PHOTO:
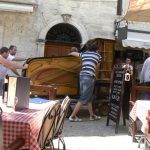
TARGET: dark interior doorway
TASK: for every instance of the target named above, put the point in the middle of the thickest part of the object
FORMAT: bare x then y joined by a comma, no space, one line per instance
60,38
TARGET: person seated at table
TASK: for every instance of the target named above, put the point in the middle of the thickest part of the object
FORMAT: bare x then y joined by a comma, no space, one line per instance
5,64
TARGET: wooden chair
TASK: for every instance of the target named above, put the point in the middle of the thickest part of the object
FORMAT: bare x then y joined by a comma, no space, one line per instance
60,121
49,90
15,145
46,134
132,124
147,134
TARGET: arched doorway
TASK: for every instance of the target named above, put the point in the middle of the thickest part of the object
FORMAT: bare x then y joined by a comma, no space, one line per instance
60,38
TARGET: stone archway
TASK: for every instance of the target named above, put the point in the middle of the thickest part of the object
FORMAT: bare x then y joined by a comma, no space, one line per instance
64,32
60,38
44,31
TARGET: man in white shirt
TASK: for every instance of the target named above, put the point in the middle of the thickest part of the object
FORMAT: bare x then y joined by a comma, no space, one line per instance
5,64
145,76
127,66
12,57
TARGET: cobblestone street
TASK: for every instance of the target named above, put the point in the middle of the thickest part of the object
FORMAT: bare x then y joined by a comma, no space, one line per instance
95,135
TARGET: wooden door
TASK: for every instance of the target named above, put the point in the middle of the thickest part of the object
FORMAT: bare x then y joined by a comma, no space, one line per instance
107,59
57,49
106,51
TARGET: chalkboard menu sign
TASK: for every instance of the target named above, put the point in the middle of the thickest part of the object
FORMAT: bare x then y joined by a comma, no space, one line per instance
116,93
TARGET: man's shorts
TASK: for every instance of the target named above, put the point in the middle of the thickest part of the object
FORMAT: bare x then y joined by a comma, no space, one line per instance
1,86
86,88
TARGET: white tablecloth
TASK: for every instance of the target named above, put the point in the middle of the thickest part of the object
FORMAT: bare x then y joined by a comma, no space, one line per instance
140,110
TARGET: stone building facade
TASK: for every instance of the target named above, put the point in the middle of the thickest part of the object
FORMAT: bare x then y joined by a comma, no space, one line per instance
27,23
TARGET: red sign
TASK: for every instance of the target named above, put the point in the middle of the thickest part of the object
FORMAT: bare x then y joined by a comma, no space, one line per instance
139,5
139,10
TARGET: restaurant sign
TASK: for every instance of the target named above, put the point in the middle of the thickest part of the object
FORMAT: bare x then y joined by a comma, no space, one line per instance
116,95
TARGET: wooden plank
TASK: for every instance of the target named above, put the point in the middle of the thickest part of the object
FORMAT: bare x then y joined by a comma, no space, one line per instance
63,72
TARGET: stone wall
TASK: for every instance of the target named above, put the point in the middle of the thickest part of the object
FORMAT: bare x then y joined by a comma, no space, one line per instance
93,19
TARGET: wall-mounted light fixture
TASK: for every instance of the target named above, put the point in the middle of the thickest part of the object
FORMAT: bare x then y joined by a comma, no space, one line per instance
40,41
66,17
121,29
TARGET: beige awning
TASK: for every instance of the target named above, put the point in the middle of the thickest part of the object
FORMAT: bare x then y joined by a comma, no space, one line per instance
139,10
17,5
137,40
29,2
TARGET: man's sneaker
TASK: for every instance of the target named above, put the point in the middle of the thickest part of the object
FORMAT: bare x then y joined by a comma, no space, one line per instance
75,119
94,118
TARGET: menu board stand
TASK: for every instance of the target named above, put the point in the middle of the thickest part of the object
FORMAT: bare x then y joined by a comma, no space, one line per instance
18,92
116,95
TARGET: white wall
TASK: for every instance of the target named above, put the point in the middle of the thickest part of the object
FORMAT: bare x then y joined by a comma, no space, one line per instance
1,35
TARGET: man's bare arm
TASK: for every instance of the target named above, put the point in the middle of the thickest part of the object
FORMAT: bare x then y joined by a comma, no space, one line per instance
11,65
74,54
18,58
15,72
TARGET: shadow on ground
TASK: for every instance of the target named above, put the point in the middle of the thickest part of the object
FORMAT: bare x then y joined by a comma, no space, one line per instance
93,128
95,135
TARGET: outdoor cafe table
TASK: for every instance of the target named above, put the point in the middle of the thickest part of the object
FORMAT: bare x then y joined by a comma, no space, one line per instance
25,124
140,111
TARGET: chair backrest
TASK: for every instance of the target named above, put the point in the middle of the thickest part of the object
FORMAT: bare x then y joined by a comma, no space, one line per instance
48,126
1,130
16,144
62,115
48,91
